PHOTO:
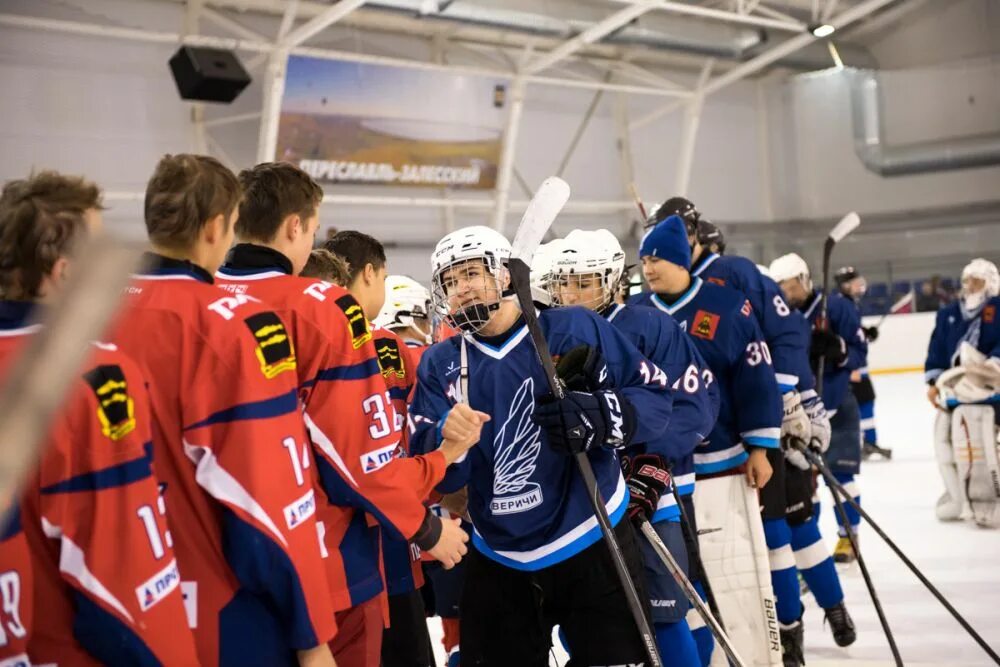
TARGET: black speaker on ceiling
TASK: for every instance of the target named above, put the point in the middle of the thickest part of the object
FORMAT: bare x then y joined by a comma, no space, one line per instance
208,75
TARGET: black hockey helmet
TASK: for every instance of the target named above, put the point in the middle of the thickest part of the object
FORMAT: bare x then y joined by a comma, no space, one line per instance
679,206
845,274
709,235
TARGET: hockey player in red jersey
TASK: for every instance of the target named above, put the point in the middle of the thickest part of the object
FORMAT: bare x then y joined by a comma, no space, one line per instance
228,430
105,586
406,642
353,421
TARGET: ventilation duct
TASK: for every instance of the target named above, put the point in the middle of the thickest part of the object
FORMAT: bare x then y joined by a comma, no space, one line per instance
922,157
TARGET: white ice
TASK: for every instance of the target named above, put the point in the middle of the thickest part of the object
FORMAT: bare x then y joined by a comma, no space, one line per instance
960,559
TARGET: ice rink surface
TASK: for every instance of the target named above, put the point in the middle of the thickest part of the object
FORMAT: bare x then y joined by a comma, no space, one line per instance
960,559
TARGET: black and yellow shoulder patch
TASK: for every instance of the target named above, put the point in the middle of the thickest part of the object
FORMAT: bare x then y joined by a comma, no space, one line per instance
274,351
357,323
390,361
115,407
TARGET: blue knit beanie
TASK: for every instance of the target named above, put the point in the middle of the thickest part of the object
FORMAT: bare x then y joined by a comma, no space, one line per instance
668,240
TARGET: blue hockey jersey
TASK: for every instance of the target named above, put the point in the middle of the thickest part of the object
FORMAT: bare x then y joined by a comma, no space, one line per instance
844,321
720,322
527,501
769,307
952,328
696,394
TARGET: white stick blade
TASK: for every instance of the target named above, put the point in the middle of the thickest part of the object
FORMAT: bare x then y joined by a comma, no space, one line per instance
846,225
542,210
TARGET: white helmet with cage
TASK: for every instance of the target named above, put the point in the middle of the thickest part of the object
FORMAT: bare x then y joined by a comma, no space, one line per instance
587,253
791,266
405,300
469,277
981,269
541,271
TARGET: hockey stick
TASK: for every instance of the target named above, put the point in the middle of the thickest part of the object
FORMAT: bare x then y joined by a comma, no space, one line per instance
816,460
846,225
689,591
542,210
692,536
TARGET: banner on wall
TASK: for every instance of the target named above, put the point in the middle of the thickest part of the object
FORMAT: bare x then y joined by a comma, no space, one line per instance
345,122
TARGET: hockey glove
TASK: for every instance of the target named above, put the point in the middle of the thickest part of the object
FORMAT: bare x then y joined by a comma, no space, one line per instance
820,423
583,421
829,345
795,427
871,333
647,477
582,369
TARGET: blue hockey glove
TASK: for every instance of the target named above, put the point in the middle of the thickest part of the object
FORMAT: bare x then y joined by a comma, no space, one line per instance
583,421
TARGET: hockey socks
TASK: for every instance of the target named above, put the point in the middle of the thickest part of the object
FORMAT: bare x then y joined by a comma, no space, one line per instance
784,578
847,481
703,639
677,644
813,560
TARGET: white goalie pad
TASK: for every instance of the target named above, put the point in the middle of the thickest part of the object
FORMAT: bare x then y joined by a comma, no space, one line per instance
949,505
974,446
734,553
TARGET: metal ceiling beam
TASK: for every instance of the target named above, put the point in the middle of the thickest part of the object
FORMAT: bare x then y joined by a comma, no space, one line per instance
847,17
226,23
320,22
141,35
725,16
592,34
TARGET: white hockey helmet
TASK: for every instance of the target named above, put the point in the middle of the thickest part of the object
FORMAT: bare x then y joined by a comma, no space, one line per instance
470,249
984,270
541,271
788,267
764,270
588,253
405,299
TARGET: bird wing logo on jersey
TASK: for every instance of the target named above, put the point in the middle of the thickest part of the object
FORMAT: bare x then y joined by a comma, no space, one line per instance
516,448
115,407
704,325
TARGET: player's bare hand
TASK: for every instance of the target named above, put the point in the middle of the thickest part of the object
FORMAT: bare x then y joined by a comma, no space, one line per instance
461,430
932,395
318,656
450,546
758,468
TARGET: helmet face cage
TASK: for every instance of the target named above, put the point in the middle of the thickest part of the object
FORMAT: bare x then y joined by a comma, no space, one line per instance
467,292
580,282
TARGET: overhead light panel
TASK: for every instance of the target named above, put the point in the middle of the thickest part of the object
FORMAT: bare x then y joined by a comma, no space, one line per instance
824,30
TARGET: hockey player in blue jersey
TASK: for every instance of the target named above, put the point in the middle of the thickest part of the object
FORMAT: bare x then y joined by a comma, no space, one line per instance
537,558
965,348
721,323
586,270
842,344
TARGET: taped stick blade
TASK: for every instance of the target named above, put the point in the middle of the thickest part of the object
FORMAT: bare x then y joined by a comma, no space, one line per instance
542,210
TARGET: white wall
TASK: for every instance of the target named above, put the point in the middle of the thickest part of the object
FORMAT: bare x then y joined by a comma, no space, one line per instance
902,341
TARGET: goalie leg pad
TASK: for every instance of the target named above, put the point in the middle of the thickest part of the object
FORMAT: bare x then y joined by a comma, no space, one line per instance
974,443
949,505
735,556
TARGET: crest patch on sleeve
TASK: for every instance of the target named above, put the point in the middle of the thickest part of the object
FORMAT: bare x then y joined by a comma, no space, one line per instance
115,407
357,323
389,359
274,348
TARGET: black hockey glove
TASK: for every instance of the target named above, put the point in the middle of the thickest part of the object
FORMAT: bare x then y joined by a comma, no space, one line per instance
827,344
583,369
583,421
871,333
647,477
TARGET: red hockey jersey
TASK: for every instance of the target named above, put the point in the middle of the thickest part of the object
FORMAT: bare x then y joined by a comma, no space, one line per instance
16,588
106,585
232,453
352,419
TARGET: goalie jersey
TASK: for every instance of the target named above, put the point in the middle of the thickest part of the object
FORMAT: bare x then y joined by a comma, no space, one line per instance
106,585
953,326
696,394
720,322
527,501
